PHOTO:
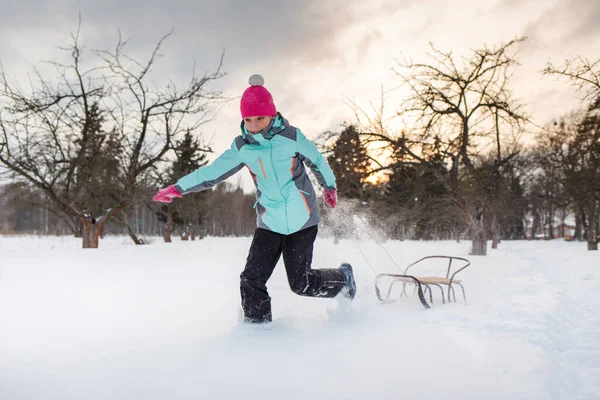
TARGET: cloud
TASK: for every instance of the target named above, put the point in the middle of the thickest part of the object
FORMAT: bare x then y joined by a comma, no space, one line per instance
566,23
367,41
262,29
282,39
586,21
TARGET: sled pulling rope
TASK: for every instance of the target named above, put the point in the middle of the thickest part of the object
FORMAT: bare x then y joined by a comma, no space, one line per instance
422,284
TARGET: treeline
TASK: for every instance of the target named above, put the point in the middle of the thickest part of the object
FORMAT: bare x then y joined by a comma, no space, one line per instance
545,191
86,149
224,211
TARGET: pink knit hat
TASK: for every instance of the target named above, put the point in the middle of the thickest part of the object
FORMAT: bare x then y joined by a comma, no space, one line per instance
256,100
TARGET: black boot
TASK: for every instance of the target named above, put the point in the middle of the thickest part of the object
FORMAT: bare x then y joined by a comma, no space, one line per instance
348,291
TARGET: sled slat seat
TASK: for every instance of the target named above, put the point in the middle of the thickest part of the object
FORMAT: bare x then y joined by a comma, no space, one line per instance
430,280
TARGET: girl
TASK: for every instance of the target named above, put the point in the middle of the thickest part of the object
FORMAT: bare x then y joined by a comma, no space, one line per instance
275,154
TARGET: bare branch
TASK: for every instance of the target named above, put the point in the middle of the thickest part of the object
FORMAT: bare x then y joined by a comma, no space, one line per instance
583,74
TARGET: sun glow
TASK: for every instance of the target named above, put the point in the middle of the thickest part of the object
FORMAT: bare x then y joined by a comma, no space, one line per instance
375,179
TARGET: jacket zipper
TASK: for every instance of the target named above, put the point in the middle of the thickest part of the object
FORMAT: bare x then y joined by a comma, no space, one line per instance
278,187
262,167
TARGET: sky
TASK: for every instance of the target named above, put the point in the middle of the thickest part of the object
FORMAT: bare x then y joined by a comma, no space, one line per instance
315,56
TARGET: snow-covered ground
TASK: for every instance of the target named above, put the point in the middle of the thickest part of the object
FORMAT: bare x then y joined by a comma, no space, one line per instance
162,321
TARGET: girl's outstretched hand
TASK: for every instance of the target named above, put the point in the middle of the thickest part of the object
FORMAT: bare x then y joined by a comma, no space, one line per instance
167,194
330,197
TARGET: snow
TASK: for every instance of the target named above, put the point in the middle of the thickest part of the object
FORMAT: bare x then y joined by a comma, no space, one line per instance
162,321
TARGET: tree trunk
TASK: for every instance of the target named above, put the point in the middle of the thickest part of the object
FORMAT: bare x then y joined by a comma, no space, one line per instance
91,234
551,221
185,233
495,240
79,230
133,236
479,245
561,228
169,225
479,241
592,232
495,232
578,227
534,225
592,244
93,226
124,219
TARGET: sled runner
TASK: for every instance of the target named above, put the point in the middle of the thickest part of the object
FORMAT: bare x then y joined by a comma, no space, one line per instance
423,284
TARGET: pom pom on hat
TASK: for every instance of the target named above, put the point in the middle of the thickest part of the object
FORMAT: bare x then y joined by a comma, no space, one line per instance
256,100
256,80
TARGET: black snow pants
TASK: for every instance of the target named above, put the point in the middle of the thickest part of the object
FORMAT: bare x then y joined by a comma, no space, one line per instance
297,249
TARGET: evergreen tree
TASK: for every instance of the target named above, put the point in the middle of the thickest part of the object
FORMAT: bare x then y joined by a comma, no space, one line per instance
190,212
99,173
190,156
514,205
582,172
417,192
349,162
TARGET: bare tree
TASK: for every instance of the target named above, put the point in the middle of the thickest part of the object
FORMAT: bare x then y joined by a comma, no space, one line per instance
583,74
582,162
466,109
56,135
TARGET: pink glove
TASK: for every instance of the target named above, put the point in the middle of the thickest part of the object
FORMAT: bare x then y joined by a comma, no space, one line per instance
330,197
166,195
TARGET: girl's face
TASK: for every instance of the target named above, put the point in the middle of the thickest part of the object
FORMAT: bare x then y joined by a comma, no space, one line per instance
257,124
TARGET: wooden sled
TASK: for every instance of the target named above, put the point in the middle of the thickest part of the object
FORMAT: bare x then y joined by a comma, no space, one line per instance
423,284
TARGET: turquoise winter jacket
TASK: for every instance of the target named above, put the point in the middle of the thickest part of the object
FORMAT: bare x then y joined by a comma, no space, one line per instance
285,199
